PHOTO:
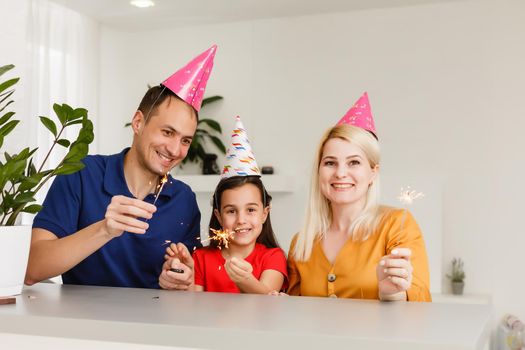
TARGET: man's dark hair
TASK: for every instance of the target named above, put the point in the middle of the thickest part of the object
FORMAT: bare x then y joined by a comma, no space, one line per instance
154,97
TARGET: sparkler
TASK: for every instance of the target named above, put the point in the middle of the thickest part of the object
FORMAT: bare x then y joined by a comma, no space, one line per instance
407,197
221,236
160,186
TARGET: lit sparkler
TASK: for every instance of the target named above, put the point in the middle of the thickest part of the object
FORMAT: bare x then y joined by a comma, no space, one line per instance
407,197
221,236
160,186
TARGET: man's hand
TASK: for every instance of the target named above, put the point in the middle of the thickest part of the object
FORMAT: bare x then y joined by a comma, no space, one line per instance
178,258
123,214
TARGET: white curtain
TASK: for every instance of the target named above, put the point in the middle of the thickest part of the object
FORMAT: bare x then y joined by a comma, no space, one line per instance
63,47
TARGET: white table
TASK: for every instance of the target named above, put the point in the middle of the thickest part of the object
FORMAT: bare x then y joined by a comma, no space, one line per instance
229,321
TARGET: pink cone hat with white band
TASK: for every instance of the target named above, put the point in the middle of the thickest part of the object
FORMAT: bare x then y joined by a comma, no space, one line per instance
189,82
360,115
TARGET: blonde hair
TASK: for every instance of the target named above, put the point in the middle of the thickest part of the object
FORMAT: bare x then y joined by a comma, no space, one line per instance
318,216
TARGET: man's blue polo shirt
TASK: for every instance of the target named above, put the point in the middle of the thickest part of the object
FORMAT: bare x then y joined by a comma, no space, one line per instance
131,260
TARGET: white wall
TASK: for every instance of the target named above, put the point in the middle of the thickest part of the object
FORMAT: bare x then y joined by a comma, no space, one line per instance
13,50
446,87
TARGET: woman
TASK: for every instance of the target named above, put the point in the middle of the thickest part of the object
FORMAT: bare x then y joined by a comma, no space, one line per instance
350,246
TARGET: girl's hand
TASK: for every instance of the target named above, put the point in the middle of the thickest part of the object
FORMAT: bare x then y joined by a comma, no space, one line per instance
171,251
180,252
394,274
238,269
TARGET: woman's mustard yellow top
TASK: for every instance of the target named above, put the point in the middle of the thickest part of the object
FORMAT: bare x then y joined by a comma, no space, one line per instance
353,274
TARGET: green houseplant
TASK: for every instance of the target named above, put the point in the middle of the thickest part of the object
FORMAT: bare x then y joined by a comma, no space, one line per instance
205,131
457,276
21,178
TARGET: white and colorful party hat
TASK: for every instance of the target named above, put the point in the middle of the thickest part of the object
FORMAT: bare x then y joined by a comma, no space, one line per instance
240,160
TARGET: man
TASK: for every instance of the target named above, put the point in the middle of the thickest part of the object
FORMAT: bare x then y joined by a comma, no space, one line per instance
109,223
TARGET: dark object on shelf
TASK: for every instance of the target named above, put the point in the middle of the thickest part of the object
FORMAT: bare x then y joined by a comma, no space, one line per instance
209,164
267,170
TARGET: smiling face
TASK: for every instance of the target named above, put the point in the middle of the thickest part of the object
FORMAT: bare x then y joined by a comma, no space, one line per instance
163,141
242,212
345,173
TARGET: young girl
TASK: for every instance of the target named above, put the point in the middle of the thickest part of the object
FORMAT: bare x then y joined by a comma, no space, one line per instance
249,260
253,261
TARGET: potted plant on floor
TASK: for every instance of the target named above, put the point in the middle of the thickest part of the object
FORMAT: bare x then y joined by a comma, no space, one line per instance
457,276
21,179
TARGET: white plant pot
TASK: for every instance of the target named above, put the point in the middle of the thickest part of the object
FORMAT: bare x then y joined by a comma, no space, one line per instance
14,253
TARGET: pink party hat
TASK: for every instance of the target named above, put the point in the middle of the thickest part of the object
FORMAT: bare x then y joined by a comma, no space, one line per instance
190,81
360,115
240,160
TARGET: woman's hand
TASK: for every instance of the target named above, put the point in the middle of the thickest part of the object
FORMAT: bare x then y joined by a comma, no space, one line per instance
238,270
278,294
394,274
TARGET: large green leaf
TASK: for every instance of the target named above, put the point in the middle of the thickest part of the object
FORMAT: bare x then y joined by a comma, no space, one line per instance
7,203
86,134
77,152
210,99
7,84
64,142
5,118
6,68
24,198
61,114
68,111
49,124
69,168
218,143
30,182
24,154
212,124
13,169
79,113
32,209
7,128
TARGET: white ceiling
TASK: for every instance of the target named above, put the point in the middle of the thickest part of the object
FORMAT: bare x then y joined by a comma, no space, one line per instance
178,13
